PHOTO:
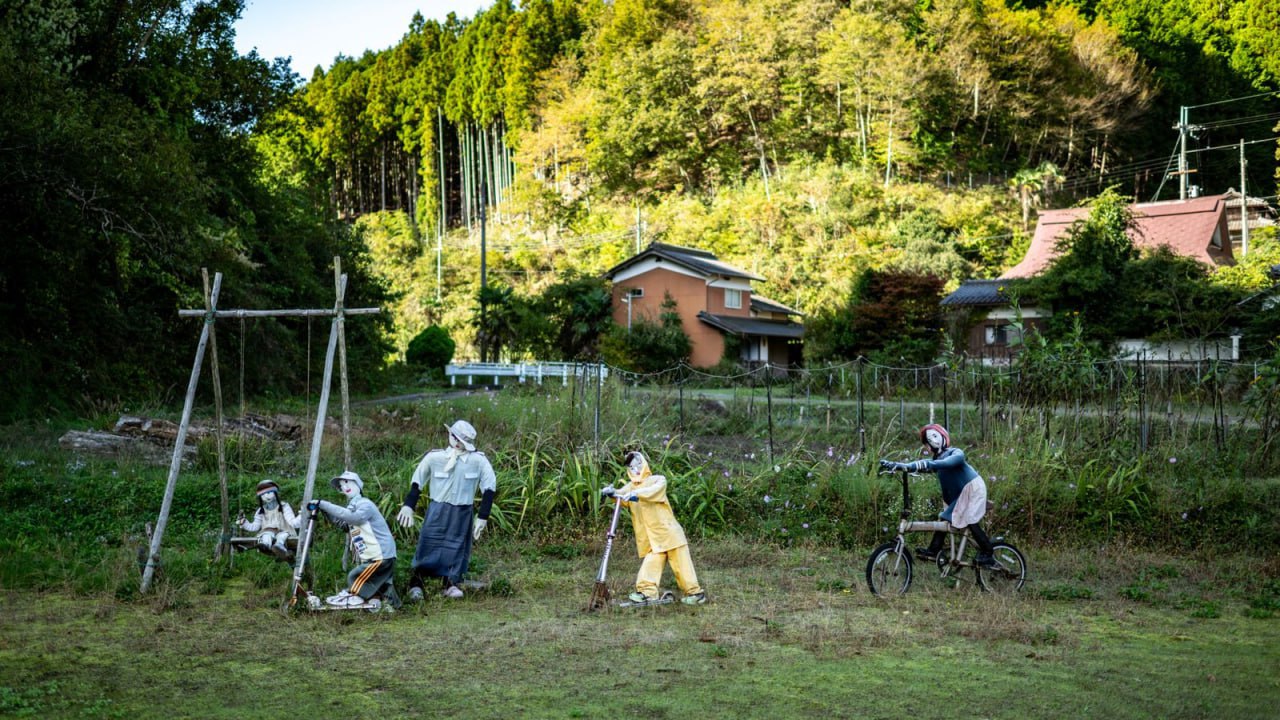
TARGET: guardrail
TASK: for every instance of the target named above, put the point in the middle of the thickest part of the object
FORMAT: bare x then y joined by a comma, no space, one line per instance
523,372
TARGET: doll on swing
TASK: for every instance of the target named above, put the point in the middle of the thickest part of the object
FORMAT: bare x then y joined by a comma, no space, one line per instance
274,522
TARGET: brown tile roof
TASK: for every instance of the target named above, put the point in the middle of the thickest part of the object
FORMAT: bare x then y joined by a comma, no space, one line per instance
1186,226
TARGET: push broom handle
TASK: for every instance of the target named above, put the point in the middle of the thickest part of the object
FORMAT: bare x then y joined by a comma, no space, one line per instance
302,552
608,542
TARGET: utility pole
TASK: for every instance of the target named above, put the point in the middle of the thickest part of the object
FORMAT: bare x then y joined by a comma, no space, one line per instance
637,228
1184,128
484,340
1244,205
1182,153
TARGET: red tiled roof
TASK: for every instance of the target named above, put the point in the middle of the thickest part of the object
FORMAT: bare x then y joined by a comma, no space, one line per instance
1186,226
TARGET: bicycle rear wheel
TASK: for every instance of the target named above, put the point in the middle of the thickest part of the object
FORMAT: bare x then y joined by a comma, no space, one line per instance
889,570
1008,578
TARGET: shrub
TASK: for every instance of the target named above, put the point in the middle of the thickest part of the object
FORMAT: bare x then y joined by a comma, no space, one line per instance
430,349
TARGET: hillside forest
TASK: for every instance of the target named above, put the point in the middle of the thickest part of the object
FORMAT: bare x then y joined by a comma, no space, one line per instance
840,150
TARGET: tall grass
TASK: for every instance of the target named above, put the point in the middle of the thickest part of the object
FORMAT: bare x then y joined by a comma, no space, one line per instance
805,478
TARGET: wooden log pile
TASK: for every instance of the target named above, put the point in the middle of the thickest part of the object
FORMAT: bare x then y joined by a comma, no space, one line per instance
152,439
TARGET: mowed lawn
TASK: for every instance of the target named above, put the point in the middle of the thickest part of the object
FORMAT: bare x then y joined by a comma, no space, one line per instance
792,633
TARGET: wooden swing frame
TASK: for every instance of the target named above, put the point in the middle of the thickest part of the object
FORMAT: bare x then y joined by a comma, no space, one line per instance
208,338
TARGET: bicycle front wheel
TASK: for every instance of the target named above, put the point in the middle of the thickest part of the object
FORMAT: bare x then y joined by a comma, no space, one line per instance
1011,573
889,570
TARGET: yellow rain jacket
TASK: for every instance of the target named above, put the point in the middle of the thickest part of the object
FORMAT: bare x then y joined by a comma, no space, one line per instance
653,521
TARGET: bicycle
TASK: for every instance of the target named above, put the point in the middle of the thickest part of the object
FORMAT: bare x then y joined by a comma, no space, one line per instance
889,569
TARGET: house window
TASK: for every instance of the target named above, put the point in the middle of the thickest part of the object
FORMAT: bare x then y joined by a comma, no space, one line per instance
732,298
997,335
635,292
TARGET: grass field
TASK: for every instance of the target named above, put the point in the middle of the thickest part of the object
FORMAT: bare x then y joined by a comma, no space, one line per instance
1098,632
1154,586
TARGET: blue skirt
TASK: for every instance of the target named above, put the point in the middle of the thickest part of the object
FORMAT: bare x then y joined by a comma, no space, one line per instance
444,545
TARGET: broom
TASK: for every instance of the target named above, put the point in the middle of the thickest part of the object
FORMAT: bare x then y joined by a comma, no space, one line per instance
600,595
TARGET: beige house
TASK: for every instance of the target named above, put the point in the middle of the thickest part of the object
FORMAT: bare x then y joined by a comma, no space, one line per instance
715,301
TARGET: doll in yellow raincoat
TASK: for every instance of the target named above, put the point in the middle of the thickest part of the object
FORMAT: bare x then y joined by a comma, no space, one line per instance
659,538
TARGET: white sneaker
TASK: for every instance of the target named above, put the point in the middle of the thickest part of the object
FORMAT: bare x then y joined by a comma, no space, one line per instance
350,601
415,594
453,591
339,598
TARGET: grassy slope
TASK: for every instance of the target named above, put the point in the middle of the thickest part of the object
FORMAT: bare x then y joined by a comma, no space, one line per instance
791,633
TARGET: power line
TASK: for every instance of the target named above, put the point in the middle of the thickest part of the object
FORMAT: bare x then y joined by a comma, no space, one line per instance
1234,145
1232,122
1231,100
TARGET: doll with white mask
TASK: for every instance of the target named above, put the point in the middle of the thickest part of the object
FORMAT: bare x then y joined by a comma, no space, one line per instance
451,522
659,537
371,542
963,491
274,521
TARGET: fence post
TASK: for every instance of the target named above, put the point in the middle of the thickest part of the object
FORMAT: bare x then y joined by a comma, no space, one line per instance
599,392
946,411
862,429
768,393
680,388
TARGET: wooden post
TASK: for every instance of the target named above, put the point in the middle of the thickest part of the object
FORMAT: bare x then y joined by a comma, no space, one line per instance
157,536
768,393
318,433
340,319
224,540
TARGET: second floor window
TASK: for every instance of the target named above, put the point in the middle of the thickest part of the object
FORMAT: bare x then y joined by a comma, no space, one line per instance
733,298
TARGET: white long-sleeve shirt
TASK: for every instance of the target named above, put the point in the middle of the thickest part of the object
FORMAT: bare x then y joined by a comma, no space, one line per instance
457,485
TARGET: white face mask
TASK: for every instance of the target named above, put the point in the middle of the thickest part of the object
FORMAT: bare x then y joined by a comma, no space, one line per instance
455,443
636,466
934,439
270,500
348,488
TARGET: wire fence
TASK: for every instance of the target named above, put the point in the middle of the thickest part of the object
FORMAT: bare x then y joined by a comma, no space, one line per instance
1131,407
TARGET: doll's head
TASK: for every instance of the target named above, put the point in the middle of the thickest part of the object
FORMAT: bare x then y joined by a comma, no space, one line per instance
462,436
349,484
268,495
637,466
935,438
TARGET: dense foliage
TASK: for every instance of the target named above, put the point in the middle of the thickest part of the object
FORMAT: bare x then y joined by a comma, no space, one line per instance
891,317
125,166
430,349
809,141
647,346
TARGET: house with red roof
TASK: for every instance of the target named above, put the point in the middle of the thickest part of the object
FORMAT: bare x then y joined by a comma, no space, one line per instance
1195,228
715,302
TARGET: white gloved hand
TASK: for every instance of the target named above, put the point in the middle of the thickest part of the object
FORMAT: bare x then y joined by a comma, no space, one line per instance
478,527
405,516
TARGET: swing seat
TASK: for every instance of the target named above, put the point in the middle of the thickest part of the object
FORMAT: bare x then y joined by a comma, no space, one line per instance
251,543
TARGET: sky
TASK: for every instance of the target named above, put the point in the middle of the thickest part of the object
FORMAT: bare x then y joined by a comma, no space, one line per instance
313,32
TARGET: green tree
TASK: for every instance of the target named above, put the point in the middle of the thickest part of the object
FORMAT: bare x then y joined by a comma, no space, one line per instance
430,349
890,317
1087,276
647,346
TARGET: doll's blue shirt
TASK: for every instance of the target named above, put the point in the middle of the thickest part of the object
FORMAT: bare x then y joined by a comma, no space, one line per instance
953,473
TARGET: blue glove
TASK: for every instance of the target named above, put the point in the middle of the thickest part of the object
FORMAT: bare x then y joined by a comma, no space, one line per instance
632,497
889,465
313,505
